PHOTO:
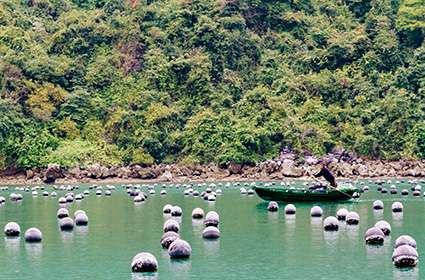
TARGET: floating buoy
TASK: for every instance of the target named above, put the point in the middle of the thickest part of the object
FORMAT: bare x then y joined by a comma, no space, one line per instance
290,209
384,190
62,213
66,224
33,235
197,213
62,200
397,207
341,214
330,224
138,198
316,211
378,205
405,256
81,219
144,262
212,219
69,198
405,240
242,190
168,238
108,193
211,233
167,209
98,192
171,225
12,229
250,192
273,206
352,218
384,226
211,197
163,192
176,211
416,193
374,236
179,249
404,192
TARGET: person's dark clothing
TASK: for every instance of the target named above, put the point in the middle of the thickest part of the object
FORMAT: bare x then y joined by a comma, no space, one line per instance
327,175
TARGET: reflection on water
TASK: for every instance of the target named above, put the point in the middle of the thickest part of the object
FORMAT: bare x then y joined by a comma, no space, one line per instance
352,232
331,238
82,230
67,237
273,217
406,273
181,268
378,214
397,219
144,276
34,250
12,244
212,247
197,225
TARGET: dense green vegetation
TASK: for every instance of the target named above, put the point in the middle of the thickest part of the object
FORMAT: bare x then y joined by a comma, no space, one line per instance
120,81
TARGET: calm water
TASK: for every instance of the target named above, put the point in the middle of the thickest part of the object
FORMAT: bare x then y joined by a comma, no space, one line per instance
254,243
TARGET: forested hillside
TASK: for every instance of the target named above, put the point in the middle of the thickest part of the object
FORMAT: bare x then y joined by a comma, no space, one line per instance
199,81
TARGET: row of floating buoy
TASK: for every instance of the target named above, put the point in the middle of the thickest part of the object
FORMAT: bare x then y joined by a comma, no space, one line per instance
31,235
176,247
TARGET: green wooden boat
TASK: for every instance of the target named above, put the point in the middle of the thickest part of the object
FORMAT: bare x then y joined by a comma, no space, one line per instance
344,192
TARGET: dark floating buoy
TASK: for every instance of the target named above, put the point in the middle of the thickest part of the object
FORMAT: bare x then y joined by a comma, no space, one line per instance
197,213
290,209
167,209
179,249
144,262
374,236
378,205
397,207
330,224
12,229
352,218
66,224
212,219
341,214
384,226
62,213
176,211
81,219
168,238
316,211
171,225
405,256
211,233
33,235
273,206
405,240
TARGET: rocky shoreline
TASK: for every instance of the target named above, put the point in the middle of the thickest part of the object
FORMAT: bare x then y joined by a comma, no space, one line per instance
288,167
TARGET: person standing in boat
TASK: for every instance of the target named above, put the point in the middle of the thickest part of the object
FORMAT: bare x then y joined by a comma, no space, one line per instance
326,173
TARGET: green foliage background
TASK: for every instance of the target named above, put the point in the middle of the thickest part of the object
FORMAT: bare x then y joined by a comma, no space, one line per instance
198,81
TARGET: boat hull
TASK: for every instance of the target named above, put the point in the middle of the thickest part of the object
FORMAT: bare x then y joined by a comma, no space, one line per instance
294,195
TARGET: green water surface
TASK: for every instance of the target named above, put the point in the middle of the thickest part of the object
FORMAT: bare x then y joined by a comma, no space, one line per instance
254,243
